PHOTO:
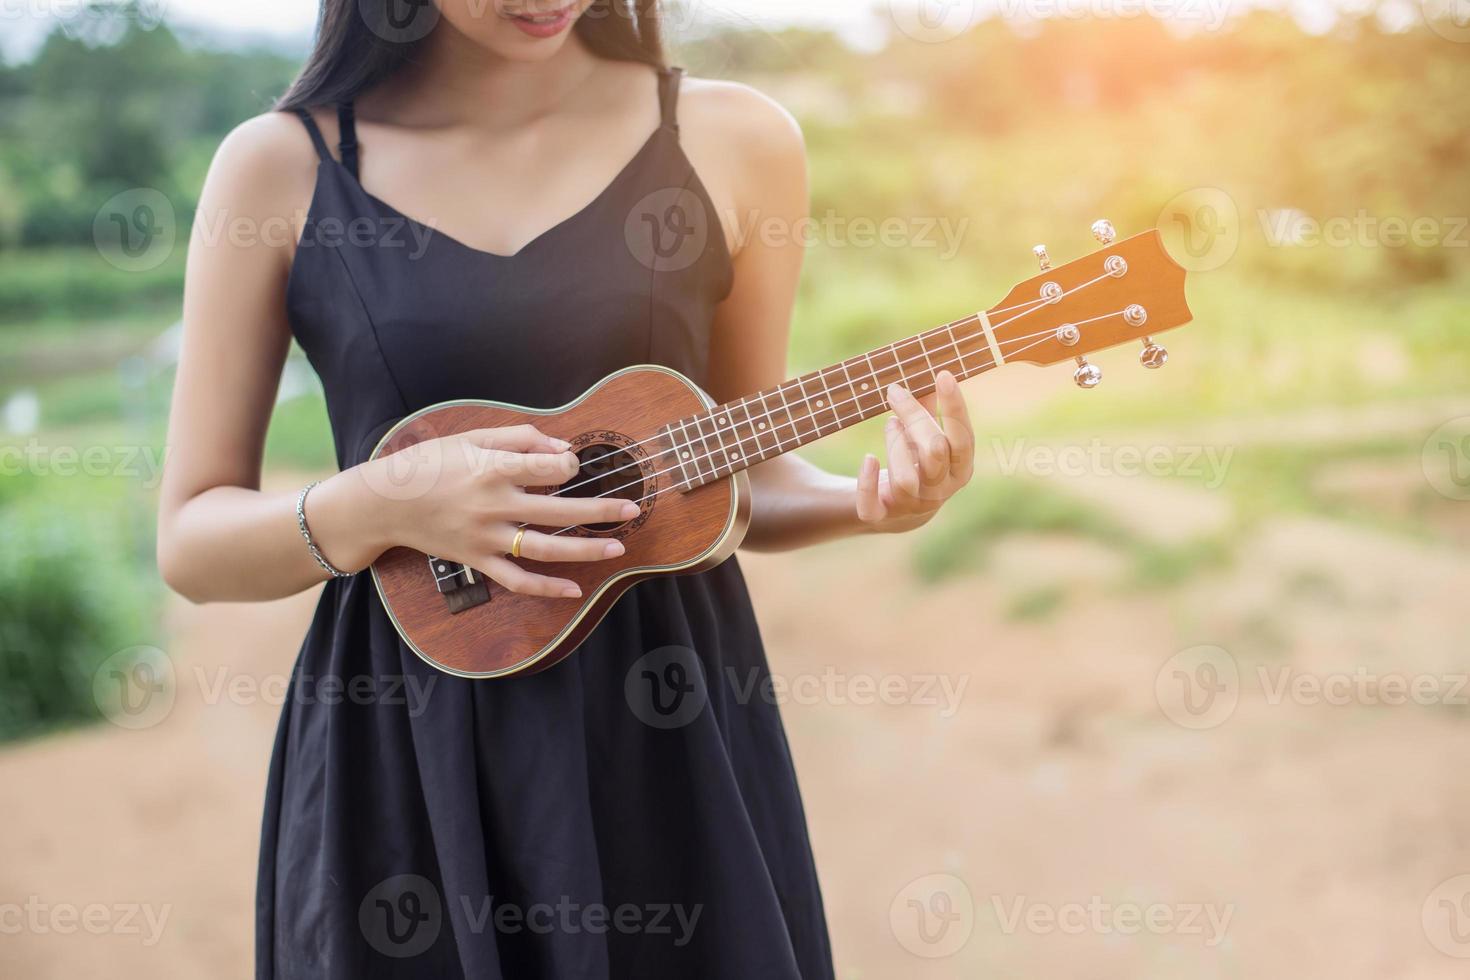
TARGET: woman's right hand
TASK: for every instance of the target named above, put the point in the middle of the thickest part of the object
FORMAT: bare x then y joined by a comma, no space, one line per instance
464,497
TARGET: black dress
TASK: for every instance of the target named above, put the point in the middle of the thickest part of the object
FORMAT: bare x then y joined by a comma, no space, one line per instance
630,813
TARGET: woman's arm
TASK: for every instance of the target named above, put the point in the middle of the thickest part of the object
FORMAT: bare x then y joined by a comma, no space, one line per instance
752,158
220,537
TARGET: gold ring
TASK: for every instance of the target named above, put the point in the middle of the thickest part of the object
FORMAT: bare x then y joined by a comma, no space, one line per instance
515,544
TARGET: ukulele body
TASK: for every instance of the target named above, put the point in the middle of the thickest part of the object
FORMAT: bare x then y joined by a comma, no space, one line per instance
616,429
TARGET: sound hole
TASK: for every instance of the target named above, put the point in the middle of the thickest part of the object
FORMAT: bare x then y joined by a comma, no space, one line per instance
607,471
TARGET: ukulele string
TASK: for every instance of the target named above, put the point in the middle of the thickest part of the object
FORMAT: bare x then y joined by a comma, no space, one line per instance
658,493
694,461
1034,304
821,375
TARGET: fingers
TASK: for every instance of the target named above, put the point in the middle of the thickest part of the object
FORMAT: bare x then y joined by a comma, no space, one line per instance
870,507
532,469
517,439
903,467
559,512
517,579
932,448
538,546
957,427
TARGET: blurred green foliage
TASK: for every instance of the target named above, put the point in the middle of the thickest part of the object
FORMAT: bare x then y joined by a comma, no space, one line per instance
70,595
109,105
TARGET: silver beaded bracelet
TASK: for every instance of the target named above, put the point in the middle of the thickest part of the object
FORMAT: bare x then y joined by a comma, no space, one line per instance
306,534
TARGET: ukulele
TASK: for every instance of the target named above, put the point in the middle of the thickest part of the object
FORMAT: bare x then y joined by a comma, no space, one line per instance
649,434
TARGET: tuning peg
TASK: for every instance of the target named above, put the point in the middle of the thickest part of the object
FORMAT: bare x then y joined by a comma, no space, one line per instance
1042,258
1153,355
1087,375
1103,231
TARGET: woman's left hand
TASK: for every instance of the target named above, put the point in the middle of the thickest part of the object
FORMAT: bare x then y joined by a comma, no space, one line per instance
927,462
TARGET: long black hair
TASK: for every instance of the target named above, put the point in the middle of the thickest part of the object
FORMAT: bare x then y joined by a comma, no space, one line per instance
361,42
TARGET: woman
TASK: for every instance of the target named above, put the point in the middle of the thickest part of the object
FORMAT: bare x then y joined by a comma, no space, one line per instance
420,825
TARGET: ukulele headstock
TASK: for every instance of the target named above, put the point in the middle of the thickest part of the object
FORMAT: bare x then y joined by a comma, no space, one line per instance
1127,290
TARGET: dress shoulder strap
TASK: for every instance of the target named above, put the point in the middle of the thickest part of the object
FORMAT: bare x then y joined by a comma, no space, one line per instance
316,134
668,96
347,126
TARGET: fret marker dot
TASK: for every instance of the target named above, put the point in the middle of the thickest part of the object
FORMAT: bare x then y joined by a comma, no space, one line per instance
441,568
820,403
734,455
865,386
686,454
724,421
762,425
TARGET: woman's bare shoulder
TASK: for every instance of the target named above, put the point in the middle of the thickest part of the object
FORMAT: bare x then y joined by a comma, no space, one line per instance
746,121
747,149
266,167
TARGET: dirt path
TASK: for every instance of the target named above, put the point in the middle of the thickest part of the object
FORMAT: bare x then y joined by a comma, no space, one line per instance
1022,820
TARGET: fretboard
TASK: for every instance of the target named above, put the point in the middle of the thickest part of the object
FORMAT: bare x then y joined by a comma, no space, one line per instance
739,434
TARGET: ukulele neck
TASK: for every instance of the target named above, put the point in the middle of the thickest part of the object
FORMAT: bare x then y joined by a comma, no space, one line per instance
739,434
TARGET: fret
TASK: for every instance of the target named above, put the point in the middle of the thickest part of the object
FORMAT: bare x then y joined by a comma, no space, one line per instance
720,420
892,350
873,381
932,381
808,400
868,400
961,371
764,428
914,363
930,364
731,437
750,442
700,453
790,415
681,454
850,397
738,450
831,405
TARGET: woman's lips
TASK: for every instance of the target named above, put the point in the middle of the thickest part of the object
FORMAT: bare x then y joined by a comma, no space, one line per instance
545,25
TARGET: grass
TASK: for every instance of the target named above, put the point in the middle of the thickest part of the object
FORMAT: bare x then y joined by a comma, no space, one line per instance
61,286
